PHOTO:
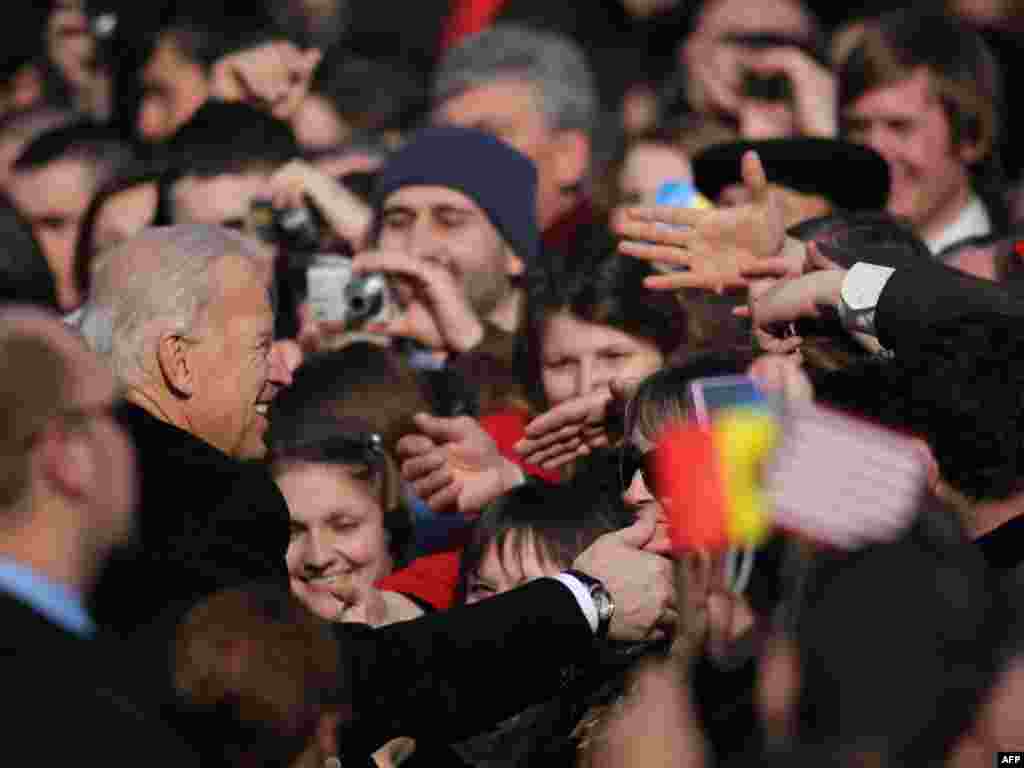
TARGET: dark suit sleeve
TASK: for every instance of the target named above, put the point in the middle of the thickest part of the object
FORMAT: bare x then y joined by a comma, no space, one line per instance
919,299
451,675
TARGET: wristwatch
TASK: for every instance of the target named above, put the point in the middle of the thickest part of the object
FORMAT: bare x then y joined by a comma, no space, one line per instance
602,600
859,294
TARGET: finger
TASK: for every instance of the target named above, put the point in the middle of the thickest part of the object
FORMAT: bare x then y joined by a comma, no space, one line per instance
577,411
381,261
558,462
427,486
817,260
446,499
771,267
666,224
557,450
642,531
421,466
754,177
563,435
665,254
680,280
414,445
569,415
445,430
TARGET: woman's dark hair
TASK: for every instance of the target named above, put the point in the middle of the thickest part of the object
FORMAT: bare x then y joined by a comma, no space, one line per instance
326,417
598,285
255,672
661,397
25,275
85,253
560,520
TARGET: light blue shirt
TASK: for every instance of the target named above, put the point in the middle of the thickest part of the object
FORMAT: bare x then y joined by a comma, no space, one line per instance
58,603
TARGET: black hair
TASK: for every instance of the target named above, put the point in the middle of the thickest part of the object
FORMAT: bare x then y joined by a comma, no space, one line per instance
205,31
373,96
85,140
25,275
892,241
229,138
84,251
560,520
597,285
22,38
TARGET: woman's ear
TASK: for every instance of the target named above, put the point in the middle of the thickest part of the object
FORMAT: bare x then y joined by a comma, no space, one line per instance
173,356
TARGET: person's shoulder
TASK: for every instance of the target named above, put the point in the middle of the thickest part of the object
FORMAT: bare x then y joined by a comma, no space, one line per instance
1003,547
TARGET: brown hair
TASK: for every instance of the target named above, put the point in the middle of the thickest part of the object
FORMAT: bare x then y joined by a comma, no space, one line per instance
963,71
261,668
32,393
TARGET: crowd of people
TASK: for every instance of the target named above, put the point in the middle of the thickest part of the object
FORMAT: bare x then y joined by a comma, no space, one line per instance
353,356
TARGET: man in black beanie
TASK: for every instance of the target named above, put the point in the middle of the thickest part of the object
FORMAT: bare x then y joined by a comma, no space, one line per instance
455,227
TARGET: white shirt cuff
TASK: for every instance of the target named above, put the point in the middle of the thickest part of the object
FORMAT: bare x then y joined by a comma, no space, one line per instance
583,597
862,287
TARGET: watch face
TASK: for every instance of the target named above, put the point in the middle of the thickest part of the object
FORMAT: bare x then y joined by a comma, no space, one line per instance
602,603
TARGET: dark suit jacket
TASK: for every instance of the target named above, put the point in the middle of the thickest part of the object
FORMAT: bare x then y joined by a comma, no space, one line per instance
449,676
69,702
204,522
950,314
207,522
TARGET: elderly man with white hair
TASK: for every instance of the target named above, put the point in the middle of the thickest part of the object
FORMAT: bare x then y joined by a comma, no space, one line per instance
184,316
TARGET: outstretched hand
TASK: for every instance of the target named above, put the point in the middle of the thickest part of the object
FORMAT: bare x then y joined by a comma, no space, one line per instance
715,246
453,464
577,426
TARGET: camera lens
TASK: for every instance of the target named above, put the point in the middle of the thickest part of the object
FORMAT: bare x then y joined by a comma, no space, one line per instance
365,298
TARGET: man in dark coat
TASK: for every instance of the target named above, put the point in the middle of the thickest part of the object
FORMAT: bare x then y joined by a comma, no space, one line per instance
183,315
66,498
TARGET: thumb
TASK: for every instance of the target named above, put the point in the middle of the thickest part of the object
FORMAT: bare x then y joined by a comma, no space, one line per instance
348,591
818,260
625,389
642,531
754,177
440,429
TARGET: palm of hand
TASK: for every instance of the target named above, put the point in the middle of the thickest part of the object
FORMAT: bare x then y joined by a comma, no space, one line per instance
754,230
475,465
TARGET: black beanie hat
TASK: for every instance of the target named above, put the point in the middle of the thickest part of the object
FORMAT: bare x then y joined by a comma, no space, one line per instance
499,179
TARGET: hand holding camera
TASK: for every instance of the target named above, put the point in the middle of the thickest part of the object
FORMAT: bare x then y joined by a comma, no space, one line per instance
434,308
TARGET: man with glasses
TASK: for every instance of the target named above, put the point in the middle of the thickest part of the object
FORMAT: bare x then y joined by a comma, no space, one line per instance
67,491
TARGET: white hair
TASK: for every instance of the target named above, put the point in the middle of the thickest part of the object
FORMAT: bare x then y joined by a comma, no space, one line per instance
160,281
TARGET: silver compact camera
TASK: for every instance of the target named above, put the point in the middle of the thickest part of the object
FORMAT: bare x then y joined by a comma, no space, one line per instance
338,295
